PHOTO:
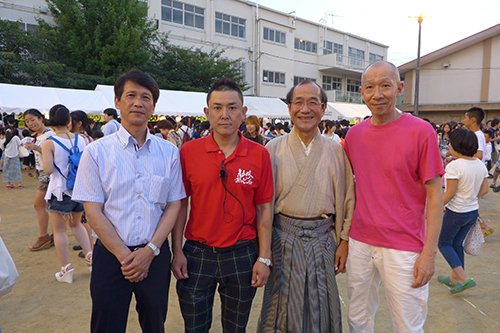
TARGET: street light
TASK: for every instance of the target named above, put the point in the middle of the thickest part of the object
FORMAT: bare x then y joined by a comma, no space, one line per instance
420,19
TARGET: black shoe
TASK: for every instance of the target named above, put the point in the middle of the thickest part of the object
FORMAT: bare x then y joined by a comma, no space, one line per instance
496,189
490,175
81,255
77,247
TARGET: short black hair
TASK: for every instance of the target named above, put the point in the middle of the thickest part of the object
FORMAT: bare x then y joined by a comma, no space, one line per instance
476,113
322,93
139,77
485,131
464,141
33,112
59,115
224,84
26,132
111,112
495,122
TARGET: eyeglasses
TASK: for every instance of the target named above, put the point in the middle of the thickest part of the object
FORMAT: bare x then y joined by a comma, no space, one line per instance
311,105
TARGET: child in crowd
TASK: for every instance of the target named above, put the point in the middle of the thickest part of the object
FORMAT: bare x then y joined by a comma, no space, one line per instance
29,161
488,135
465,182
10,143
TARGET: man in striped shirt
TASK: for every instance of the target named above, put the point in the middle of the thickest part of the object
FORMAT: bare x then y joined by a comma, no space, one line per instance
131,185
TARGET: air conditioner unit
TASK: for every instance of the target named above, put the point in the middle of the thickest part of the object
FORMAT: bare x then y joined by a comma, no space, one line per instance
446,64
44,9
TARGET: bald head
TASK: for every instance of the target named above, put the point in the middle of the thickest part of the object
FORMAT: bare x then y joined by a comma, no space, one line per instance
389,67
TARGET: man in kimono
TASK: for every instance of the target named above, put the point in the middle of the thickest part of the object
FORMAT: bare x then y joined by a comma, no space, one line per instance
399,207
313,205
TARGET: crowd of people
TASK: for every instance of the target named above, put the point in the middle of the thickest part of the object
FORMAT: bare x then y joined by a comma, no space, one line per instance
269,205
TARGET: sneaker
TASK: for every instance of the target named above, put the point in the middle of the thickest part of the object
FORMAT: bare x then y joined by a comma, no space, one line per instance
30,174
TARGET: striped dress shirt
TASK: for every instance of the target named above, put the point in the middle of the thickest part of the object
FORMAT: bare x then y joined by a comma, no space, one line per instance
134,183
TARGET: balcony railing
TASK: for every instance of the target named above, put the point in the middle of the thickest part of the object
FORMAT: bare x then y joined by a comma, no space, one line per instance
344,96
340,60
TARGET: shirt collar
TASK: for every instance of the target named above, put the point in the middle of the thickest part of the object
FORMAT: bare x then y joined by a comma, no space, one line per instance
241,149
126,139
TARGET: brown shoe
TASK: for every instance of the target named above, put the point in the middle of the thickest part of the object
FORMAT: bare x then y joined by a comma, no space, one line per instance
51,239
42,243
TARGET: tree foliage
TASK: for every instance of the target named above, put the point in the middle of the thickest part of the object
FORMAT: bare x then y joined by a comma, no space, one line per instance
178,68
94,41
99,37
22,62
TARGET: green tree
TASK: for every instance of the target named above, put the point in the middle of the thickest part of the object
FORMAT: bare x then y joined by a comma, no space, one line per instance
191,69
22,62
99,37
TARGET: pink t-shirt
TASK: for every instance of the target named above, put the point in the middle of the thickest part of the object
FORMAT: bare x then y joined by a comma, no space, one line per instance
391,163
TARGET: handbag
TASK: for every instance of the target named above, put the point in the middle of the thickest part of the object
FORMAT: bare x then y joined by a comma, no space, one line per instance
23,152
8,271
474,240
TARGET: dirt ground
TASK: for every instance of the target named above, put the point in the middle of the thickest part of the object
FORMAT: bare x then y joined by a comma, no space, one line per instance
39,303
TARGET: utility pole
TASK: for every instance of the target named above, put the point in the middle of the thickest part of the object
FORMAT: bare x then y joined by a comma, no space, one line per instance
420,19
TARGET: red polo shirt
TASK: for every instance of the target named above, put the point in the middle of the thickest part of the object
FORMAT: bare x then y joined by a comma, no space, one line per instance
249,178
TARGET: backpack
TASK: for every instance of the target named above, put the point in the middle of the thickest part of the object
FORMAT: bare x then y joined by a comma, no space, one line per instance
73,160
185,137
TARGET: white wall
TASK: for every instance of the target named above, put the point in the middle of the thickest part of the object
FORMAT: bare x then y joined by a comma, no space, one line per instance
494,92
459,83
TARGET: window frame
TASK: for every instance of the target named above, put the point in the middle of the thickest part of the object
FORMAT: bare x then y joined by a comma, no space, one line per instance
272,76
233,23
195,13
305,45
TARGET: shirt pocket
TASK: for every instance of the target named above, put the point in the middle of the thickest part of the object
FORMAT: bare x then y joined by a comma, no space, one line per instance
158,188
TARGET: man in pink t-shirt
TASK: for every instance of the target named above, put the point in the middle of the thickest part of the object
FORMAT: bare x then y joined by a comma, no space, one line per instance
396,161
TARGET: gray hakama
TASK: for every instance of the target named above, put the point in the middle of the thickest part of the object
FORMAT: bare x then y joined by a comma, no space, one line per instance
307,248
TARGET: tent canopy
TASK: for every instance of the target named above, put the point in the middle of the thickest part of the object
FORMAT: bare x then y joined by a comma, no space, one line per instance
336,111
188,103
18,98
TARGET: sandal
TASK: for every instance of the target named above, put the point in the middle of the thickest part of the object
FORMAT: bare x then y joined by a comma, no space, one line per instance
42,243
462,286
21,187
66,274
493,185
496,189
88,261
489,232
10,187
446,281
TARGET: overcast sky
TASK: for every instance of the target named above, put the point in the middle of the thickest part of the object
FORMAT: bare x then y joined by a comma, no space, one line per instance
387,22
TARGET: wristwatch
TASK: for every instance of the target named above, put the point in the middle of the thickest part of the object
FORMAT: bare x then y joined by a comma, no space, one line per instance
265,261
156,250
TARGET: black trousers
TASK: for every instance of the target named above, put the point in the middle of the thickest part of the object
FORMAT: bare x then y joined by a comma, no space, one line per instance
111,293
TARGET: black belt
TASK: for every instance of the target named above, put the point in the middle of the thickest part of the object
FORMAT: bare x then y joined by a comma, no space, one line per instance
131,248
220,249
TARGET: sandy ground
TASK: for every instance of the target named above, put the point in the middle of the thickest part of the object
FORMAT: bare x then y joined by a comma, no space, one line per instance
39,303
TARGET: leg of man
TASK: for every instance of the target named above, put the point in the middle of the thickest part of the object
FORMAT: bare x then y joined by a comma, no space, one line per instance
235,288
363,281
110,291
152,293
408,306
196,294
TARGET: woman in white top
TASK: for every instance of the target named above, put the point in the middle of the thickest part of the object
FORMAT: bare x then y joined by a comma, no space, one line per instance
62,210
10,143
329,132
34,120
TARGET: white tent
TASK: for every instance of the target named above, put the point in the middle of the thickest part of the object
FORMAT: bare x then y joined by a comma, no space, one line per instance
188,103
336,111
19,98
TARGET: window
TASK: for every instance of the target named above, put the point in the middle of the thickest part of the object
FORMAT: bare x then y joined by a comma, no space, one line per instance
330,47
305,45
230,25
298,79
242,67
356,57
274,36
181,13
27,26
332,83
375,57
353,85
273,77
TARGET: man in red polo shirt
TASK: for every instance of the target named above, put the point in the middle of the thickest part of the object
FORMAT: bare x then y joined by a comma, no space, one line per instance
230,181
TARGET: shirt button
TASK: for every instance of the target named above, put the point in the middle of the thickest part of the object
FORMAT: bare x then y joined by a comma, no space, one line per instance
138,197
137,156
220,152
138,176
